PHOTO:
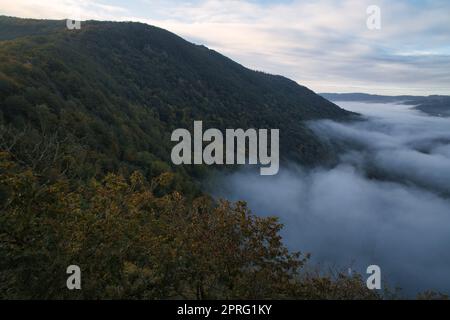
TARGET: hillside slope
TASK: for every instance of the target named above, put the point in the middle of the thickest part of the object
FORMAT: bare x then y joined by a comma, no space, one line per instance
81,110
115,91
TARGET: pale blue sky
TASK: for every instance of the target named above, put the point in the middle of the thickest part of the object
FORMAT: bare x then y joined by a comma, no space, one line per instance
323,44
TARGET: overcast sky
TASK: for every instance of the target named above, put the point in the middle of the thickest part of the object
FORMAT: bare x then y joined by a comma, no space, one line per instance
323,44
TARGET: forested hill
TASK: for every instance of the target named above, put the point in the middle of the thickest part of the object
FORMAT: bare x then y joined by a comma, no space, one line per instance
112,92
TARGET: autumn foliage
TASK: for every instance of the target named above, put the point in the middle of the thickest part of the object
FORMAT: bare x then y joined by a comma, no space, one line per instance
132,243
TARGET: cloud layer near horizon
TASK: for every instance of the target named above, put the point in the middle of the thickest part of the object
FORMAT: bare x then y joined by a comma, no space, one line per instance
322,44
387,202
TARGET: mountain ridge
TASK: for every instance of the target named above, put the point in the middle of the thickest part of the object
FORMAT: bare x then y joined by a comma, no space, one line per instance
116,90
434,105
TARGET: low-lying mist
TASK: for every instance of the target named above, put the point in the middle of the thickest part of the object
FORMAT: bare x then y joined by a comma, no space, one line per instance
387,201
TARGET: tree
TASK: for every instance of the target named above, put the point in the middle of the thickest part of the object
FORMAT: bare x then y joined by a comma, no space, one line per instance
130,243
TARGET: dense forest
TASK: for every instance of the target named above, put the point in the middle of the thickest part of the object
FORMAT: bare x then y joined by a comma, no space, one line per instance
115,91
86,177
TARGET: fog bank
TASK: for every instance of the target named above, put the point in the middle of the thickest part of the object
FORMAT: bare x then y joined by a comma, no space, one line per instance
386,202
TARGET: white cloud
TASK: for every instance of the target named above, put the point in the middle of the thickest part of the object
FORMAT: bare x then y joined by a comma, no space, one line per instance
60,9
386,202
323,44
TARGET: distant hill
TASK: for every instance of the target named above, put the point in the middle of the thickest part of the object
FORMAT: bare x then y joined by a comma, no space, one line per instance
365,97
116,90
434,105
